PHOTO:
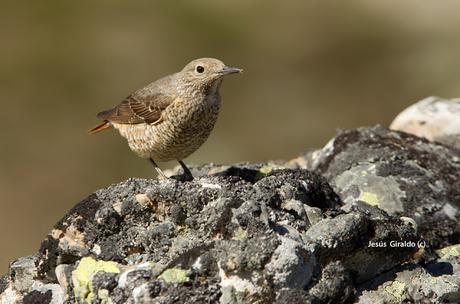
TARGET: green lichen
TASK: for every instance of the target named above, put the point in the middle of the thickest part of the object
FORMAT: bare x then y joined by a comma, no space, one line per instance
103,295
240,234
266,170
175,275
449,251
81,277
370,198
397,289
263,171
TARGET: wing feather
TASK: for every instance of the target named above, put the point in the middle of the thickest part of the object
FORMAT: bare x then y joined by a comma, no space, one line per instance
135,109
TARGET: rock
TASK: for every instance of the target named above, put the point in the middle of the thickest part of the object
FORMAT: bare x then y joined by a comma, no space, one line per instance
437,282
23,272
41,293
175,275
400,173
433,118
335,284
11,296
449,251
21,285
82,276
353,230
207,233
290,265
64,275
36,297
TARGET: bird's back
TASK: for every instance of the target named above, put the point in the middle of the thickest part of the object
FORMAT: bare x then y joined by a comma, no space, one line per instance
166,86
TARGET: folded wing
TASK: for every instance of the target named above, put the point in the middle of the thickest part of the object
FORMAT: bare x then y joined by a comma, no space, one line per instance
135,109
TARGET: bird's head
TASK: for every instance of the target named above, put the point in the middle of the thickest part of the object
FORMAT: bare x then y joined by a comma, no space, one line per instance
207,72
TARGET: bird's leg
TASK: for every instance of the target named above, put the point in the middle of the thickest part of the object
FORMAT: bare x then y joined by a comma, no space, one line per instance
160,173
187,174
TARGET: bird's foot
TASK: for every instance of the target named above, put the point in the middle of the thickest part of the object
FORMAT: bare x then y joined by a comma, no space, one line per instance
182,177
161,175
187,175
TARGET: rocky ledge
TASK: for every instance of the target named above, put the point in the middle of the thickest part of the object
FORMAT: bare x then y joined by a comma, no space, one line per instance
370,218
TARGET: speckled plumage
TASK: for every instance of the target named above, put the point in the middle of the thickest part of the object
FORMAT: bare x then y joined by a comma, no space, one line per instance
185,127
172,117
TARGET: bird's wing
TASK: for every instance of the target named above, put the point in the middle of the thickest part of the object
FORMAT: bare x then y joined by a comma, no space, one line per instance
138,109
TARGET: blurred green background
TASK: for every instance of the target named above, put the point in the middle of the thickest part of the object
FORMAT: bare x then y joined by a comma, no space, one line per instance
310,67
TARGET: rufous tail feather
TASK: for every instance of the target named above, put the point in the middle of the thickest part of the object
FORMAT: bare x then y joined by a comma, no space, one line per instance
100,127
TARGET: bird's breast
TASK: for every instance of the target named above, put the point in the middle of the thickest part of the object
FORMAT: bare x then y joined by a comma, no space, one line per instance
190,114
185,125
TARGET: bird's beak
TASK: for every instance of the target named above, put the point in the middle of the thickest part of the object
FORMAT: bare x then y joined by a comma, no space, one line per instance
228,70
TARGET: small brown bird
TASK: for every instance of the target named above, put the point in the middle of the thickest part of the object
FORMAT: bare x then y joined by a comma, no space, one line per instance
170,118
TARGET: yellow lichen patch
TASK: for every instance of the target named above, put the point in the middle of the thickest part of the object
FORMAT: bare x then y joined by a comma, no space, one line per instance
103,295
181,229
175,275
240,234
81,277
397,289
370,198
449,251
266,169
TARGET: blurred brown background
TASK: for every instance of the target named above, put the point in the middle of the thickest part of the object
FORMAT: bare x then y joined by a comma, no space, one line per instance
310,67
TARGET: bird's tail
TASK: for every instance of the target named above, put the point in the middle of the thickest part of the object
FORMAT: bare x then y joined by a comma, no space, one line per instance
104,125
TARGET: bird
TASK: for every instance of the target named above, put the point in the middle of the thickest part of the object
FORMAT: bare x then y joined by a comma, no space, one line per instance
172,117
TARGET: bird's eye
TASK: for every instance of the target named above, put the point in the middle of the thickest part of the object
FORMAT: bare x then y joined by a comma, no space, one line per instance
199,69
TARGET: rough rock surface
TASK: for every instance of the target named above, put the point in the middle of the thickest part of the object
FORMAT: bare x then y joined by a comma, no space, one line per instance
264,233
402,174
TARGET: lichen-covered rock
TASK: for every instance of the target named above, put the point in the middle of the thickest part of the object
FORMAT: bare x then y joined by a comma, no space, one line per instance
225,232
263,233
437,282
400,173
21,285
